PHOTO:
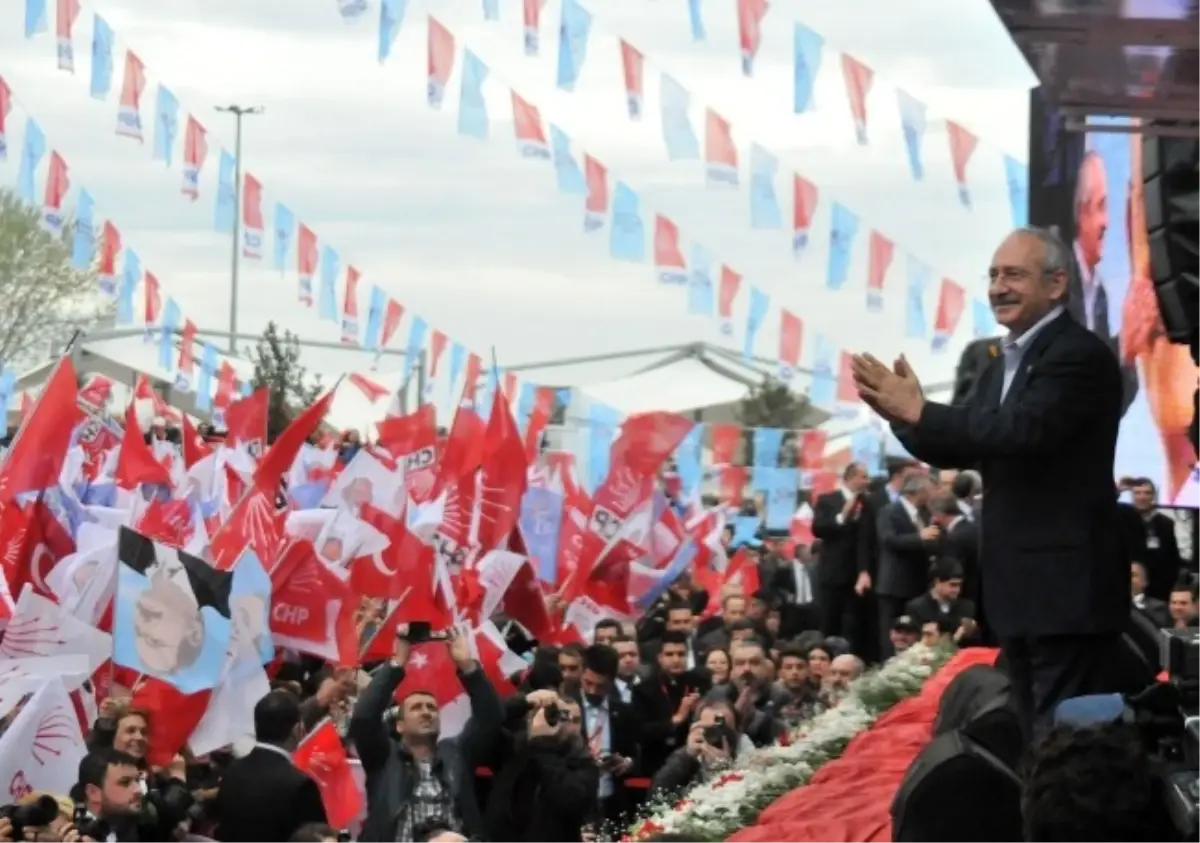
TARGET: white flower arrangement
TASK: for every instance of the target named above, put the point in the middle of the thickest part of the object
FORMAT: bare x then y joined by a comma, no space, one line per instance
716,809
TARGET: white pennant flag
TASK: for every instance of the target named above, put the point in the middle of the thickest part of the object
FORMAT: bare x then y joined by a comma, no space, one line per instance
43,746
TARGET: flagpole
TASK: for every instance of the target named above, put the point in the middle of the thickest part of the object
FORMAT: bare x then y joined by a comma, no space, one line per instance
238,113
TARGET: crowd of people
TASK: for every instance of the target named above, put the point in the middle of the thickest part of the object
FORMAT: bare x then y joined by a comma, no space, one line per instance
644,710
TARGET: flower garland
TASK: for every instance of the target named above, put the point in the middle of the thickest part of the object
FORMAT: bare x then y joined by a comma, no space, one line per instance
716,809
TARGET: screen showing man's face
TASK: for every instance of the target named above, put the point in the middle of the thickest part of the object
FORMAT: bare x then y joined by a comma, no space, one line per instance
1091,212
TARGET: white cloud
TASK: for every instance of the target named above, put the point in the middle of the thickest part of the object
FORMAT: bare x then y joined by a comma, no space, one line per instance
479,241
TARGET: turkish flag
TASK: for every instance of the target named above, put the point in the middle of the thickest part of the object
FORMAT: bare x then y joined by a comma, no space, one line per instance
36,456
323,758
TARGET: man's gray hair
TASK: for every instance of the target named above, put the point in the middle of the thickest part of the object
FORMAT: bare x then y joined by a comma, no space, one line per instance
914,483
1056,257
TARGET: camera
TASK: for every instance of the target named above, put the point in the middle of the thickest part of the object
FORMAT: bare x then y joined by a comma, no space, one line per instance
716,734
40,812
1165,715
89,826
419,632
553,715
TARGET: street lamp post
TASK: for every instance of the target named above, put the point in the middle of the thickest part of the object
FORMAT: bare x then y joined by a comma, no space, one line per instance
238,113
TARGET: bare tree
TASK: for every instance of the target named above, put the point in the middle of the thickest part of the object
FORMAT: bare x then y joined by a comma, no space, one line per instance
43,298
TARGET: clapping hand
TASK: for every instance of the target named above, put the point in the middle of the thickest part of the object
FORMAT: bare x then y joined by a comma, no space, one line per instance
893,393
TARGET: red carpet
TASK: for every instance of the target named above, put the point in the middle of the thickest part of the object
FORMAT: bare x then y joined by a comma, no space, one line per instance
850,799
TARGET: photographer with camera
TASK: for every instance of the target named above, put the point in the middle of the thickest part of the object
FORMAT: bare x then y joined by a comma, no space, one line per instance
39,816
413,775
546,787
714,742
109,804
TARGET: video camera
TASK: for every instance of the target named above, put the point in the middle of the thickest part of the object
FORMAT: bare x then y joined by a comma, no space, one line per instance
1165,713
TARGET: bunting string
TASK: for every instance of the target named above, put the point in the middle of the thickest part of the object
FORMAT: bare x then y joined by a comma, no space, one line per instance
324,280
638,234
811,55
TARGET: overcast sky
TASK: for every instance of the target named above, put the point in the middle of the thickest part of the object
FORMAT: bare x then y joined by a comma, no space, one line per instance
478,240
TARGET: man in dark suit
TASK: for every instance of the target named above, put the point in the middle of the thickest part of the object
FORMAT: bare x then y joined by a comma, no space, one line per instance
610,729
1087,299
837,522
1042,428
943,600
263,796
1153,608
907,545
960,540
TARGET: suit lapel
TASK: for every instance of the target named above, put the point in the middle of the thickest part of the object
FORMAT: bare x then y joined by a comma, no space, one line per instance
1031,356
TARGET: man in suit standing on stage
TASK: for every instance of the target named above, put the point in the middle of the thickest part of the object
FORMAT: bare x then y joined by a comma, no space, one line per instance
1087,301
838,523
1042,427
908,544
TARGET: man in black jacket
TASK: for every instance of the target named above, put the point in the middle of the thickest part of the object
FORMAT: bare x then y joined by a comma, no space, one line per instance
263,796
1042,427
416,776
907,544
1152,540
960,540
837,522
547,788
664,702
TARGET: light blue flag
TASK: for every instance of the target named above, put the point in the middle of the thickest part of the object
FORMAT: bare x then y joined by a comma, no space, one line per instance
541,523
696,19
491,9
627,235
745,530
678,134
1017,175
166,337
688,460
823,392
920,275
866,447
912,122
566,169
8,386
416,342
375,311
768,441
225,212
702,297
603,422
35,17
331,270
525,400
807,47
166,125
458,361
131,277
573,32
985,323
756,313
33,147
782,493
285,235
842,230
563,397
764,204
208,367
83,241
472,107
102,58
391,17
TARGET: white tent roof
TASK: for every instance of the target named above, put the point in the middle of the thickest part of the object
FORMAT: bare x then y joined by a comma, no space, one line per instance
680,386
